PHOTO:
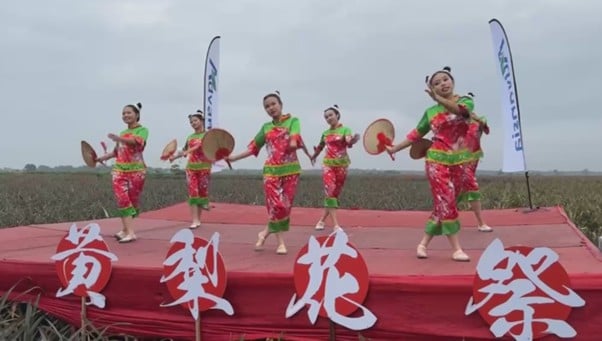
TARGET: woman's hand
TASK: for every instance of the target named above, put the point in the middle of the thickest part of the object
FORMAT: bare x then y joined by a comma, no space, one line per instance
114,137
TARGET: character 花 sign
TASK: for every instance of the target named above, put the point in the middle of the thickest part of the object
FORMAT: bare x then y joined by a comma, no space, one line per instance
195,274
83,264
331,278
523,292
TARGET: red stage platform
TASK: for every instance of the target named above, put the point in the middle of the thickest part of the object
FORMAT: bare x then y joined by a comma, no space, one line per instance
413,299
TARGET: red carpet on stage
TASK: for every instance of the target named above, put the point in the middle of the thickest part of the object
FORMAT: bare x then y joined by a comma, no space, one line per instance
413,299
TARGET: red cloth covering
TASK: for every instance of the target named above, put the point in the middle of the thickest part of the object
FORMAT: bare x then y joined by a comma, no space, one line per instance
407,308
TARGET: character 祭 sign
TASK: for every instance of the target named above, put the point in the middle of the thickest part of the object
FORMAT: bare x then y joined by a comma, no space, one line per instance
331,278
195,274
523,292
83,264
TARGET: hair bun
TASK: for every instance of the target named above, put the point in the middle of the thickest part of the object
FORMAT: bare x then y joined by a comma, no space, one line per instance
277,92
470,94
139,105
447,68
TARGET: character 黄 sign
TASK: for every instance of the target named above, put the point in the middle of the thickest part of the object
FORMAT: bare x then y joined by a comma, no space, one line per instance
83,264
331,279
523,292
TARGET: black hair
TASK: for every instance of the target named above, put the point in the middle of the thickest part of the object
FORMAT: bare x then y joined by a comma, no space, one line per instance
199,114
137,107
336,110
446,70
275,94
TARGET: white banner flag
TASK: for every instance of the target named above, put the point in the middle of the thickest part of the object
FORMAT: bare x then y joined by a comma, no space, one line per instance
514,155
211,98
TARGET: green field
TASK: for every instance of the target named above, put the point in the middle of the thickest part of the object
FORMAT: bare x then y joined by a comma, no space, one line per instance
33,198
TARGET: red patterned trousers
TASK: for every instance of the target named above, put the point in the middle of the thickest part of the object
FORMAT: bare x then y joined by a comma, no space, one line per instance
446,185
127,187
279,197
470,186
198,187
334,180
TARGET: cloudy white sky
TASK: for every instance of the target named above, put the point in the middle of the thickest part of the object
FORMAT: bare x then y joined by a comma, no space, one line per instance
68,67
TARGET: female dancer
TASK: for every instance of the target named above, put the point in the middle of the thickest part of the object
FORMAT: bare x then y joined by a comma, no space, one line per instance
198,169
335,163
448,120
129,171
282,137
470,191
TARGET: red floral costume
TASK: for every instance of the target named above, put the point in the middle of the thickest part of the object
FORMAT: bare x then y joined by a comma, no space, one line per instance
335,163
198,172
129,171
281,169
444,162
472,141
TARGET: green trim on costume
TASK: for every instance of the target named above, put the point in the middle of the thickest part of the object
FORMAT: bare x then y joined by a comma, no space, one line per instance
198,201
279,225
129,166
445,227
448,158
338,162
282,170
469,196
128,212
198,165
331,202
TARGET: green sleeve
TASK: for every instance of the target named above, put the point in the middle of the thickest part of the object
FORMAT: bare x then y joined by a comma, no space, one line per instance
322,140
295,128
467,102
260,138
424,126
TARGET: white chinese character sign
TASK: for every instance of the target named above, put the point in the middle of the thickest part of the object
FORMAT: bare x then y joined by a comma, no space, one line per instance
195,274
523,292
83,264
331,279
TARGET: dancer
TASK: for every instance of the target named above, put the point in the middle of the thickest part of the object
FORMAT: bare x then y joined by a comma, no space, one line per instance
282,137
470,186
198,169
448,120
335,163
129,171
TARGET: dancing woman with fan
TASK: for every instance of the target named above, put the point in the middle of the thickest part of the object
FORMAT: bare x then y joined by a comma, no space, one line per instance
448,119
336,140
282,138
198,169
470,187
129,171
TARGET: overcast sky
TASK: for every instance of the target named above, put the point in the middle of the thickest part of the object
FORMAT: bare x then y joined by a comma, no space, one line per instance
68,67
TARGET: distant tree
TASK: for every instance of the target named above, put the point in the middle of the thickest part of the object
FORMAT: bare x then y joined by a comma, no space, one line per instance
175,169
30,167
44,168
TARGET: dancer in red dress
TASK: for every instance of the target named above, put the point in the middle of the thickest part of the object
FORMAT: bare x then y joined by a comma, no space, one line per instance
282,138
470,186
336,140
129,171
448,120
198,169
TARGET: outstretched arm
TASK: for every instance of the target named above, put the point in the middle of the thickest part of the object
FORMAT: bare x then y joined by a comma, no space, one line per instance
240,156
